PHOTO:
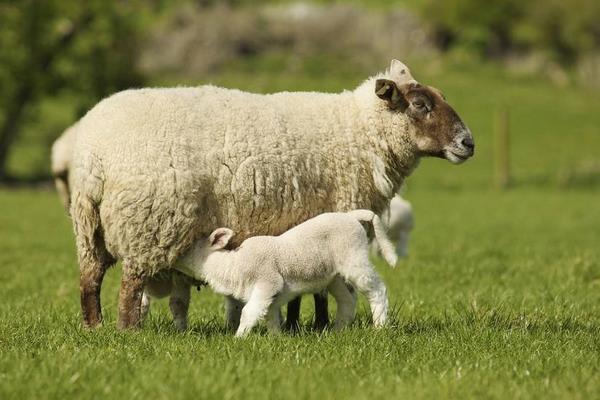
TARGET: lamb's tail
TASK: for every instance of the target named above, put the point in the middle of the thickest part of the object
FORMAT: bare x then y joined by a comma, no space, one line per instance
385,245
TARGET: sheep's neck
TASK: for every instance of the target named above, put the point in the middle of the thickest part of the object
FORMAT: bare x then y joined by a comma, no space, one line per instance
388,135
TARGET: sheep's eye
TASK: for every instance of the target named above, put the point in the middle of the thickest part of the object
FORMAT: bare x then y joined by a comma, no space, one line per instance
420,104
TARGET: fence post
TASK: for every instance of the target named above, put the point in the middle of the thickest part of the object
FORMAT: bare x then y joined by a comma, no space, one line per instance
501,148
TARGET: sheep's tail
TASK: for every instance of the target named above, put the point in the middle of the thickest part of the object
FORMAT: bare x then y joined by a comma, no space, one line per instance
385,245
86,195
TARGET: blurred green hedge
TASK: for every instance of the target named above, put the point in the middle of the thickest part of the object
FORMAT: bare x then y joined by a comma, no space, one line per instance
59,57
563,30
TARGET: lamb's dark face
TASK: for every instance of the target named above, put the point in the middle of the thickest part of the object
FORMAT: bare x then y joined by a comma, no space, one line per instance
439,130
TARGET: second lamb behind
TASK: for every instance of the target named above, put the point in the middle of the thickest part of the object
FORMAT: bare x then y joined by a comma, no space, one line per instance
266,272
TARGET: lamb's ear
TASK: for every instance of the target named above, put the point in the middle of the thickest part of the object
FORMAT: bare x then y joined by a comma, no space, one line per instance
220,238
387,90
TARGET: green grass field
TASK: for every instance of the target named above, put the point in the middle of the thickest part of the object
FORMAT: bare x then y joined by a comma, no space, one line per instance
500,297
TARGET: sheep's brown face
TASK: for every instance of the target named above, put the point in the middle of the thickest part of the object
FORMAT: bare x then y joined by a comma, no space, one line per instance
439,130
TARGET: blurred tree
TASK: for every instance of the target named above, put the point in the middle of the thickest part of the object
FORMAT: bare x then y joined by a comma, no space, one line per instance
564,30
86,49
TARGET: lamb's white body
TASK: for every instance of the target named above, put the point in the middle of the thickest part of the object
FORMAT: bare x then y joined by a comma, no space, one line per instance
266,272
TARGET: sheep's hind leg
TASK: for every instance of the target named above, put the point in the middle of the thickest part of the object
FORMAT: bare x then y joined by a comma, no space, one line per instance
179,302
90,282
345,297
130,298
94,260
257,307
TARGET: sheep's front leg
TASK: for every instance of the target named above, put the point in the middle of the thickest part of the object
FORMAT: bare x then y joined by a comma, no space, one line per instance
179,302
130,298
292,320
233,312
321,311
345,297
257,307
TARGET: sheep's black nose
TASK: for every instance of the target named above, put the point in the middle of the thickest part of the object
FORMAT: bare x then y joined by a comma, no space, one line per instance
468,142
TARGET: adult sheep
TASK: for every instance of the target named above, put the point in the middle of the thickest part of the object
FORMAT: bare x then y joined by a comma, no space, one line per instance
61,154
155,169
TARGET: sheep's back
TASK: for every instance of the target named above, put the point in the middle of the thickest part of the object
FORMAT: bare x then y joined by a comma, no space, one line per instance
177,163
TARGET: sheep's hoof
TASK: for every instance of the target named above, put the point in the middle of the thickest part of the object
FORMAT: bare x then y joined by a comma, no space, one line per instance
291,326
180,326
320,324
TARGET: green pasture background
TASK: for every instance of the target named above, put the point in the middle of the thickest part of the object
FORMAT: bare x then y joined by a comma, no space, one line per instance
499,298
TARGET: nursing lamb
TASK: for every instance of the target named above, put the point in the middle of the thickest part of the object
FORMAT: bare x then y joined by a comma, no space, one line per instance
156,169
266,272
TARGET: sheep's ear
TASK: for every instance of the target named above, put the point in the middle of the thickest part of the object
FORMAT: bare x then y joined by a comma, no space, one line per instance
400,72
220,238
387,90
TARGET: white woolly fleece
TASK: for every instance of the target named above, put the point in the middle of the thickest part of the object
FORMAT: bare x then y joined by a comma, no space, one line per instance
155,169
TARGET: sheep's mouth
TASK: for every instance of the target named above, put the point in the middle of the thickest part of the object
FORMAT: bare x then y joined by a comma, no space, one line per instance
457,157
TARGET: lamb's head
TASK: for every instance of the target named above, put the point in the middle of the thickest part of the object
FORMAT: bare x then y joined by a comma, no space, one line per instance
439,131
218,240
206,251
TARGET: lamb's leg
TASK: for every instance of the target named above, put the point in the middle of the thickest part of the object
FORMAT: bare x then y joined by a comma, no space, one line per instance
345,297
366,280
233,312
292,320
274,318
321,311
257,307
130,298
179,302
